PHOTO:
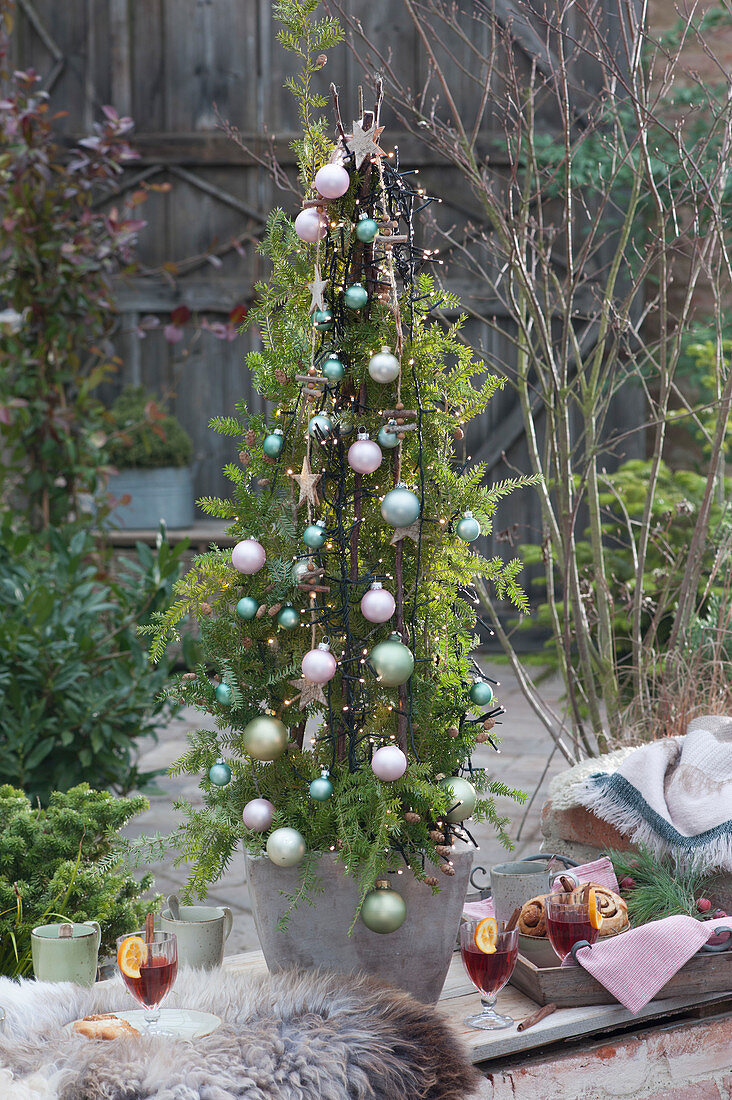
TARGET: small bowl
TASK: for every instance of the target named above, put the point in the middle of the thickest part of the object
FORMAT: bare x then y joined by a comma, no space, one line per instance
538,951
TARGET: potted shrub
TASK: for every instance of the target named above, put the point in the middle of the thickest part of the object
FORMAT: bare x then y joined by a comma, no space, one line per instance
151,452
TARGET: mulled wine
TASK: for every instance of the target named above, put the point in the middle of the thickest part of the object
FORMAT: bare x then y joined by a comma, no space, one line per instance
489,961
567,922
489,973
156,977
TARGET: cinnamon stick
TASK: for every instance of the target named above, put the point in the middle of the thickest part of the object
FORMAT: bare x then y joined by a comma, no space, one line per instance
585,895
535,1017
567,884
149,935
513,919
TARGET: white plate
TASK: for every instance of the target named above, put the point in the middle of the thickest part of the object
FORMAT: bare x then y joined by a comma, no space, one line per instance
182,1023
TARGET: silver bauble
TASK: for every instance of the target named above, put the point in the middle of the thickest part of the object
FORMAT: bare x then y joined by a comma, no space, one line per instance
301,570
462,793
286,847
400,507
264,738
384,366
392,661
383,910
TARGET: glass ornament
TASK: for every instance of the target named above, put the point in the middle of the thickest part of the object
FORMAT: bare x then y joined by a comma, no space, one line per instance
224,694
311,225
364,456
273,443
388,763
392,661
481,693
383,910
314,535
264,738
468,528
248,556
384,366
355,296
377,605
333,369
323,320
257,815
286,847
247,608
301,570
400,506
462,798
321,789
319,665
366,230
288,617
332,181
220,774
389,439
319,423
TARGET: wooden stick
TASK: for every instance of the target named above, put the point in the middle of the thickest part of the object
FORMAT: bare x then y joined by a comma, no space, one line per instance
149,935
394,413
535,1017
513,919
313,379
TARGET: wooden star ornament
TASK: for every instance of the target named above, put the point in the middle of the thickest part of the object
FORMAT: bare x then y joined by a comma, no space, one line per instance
363,142
316,289
307,481
307,693
401,533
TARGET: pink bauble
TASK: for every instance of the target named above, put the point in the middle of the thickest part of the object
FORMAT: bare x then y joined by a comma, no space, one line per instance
389,763
257,815
377,605
364,456
332,181
319,665
248,556
311,225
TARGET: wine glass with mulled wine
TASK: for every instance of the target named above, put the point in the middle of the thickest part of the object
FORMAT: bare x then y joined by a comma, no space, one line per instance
571,918
489,957
148,965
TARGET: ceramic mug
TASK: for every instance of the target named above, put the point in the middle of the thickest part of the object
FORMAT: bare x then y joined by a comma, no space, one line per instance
66,959
202,932
514,883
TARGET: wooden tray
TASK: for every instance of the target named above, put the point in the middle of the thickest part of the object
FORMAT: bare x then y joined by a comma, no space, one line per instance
571,986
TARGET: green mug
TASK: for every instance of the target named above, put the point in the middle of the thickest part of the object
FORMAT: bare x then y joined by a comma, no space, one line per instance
202,931
66,958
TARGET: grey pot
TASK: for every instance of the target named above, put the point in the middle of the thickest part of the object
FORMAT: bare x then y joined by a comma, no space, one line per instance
415,958
164,493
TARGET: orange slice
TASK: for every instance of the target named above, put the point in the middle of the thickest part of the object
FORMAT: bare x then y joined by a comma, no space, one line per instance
486,934
595,914
131,955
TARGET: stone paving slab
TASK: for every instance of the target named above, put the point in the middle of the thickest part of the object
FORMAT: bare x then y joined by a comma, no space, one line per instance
520,764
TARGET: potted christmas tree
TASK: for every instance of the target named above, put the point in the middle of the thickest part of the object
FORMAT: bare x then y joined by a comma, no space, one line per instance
338,633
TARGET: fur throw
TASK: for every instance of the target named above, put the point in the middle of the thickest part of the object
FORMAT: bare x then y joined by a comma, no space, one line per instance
289,1036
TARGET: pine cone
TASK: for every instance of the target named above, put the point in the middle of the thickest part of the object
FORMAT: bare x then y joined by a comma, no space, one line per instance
205,608
189,676
412,818
430,880
244,458
247,643
443,849
281,376
453,731
250,438
482,736
458,434
447,870
437,836
489,723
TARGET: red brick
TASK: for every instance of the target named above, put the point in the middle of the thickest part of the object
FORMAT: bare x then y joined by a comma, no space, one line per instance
582,826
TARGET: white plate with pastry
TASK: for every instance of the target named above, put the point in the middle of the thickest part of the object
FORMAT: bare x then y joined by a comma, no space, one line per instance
180,1023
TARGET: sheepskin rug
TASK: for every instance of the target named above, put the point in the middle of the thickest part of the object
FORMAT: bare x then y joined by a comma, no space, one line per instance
290,1036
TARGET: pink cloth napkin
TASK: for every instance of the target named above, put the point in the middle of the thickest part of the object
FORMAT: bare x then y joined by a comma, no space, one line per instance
599,871
634,965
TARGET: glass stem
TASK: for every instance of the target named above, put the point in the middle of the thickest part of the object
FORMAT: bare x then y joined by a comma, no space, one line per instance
487,1002
152,1015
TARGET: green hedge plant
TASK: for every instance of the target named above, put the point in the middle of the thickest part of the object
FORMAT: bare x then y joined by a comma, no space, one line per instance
144,434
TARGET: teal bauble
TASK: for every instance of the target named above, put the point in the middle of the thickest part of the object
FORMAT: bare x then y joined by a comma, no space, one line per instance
481,693
355,296
247,608
321,789
400,507
264,738
314,535
286,847
366,230
220,774
224,694
468,529
274,443
320,424
333,369
462,797
323,320
288,617
392,661
383,910
388,439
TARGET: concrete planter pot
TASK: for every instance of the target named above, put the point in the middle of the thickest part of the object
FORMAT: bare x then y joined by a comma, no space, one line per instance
415,958
164,493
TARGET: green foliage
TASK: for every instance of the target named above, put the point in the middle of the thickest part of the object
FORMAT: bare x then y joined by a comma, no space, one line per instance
65,862
663,887
77,690
144,435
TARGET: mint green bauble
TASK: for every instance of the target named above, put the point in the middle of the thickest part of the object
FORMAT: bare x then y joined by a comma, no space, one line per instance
319,424
314,535
481,693
355,296
273,443
392,661
468,528
321,789
333,369
323,320
247,608
264,738
286,847
224,694
462,798
366,230
388,439
288,617
400,506
383,910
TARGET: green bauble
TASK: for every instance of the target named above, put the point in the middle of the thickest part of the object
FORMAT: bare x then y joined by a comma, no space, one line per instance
224,694
286,847
468,528
392,661
323,319
355,296
247,608
321,789
383,909
321,424
333,369
400,507
462,793
314,535
273,443
264,738
220,774
481,693
288,617
388,439
366,230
